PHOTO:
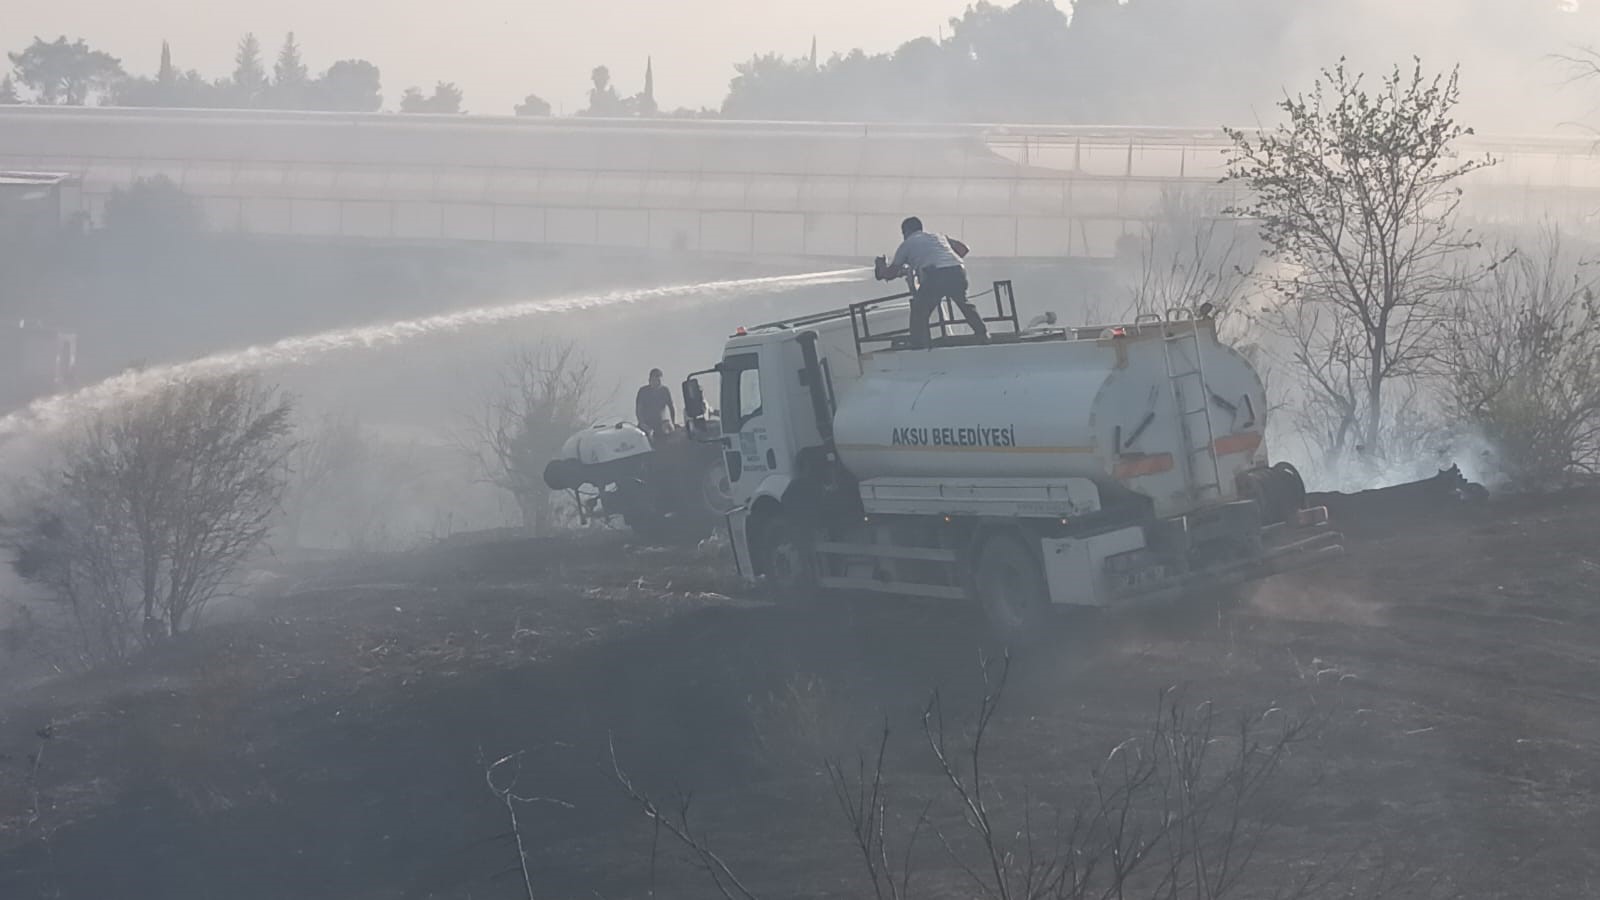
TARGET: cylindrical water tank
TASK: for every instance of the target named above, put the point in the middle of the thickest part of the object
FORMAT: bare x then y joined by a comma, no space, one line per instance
1113,410
599,456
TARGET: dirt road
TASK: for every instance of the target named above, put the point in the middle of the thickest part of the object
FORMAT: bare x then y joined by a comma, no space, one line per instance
331,742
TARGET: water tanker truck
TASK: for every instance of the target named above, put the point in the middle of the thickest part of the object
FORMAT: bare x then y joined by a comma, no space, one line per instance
1045,467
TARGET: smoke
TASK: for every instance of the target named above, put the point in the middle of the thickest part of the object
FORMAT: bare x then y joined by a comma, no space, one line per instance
19,431
1405,462
1512,76
1513,79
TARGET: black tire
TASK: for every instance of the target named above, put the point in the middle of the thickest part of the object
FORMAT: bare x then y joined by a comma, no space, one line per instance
563,474
715,491
650,528
789,560
1295,485
1009,583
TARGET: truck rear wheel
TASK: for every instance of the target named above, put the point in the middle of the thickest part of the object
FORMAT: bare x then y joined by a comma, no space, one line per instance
1011,587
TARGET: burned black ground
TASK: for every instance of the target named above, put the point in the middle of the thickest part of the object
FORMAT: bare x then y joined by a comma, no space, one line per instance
329,739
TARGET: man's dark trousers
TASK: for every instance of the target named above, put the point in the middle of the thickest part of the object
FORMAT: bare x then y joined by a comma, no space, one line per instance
934,285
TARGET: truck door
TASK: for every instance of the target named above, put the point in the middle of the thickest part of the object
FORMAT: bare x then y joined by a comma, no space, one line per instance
767,411
747,438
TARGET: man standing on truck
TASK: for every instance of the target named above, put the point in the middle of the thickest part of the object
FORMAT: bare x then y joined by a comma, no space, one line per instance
935,260
653,407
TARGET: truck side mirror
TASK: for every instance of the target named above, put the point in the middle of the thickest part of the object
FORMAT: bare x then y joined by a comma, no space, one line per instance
694,400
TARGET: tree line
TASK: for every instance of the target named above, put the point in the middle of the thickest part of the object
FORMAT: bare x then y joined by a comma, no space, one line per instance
1180,62
72,73
1183,62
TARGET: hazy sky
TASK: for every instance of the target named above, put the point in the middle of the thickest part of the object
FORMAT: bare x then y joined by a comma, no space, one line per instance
496,50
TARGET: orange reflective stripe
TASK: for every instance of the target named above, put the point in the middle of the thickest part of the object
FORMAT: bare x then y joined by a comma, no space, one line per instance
1243,442
1144,464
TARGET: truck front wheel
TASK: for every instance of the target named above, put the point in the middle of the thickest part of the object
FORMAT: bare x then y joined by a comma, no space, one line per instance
716,491
1010,585
790,559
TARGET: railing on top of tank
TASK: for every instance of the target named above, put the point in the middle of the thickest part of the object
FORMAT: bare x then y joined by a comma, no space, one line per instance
1005,312
1005,306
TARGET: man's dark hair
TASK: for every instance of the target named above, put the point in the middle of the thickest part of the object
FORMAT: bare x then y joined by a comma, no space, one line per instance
655,373
910,226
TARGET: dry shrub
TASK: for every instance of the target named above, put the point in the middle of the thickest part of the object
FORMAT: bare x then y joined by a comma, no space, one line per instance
546,394
149,508
1524,363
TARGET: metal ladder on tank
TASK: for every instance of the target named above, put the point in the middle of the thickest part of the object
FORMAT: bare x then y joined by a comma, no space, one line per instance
1193,421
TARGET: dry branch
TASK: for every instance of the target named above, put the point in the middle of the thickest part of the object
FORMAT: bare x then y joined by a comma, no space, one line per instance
865,810
677,824
505,788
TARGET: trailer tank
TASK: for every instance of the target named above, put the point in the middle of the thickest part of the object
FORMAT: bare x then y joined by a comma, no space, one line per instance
1163,409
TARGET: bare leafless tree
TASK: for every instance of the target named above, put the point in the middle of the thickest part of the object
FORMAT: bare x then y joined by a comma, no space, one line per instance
1323,350
546,393
1191,255
1356,197
1524,362
150,508
1582,64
